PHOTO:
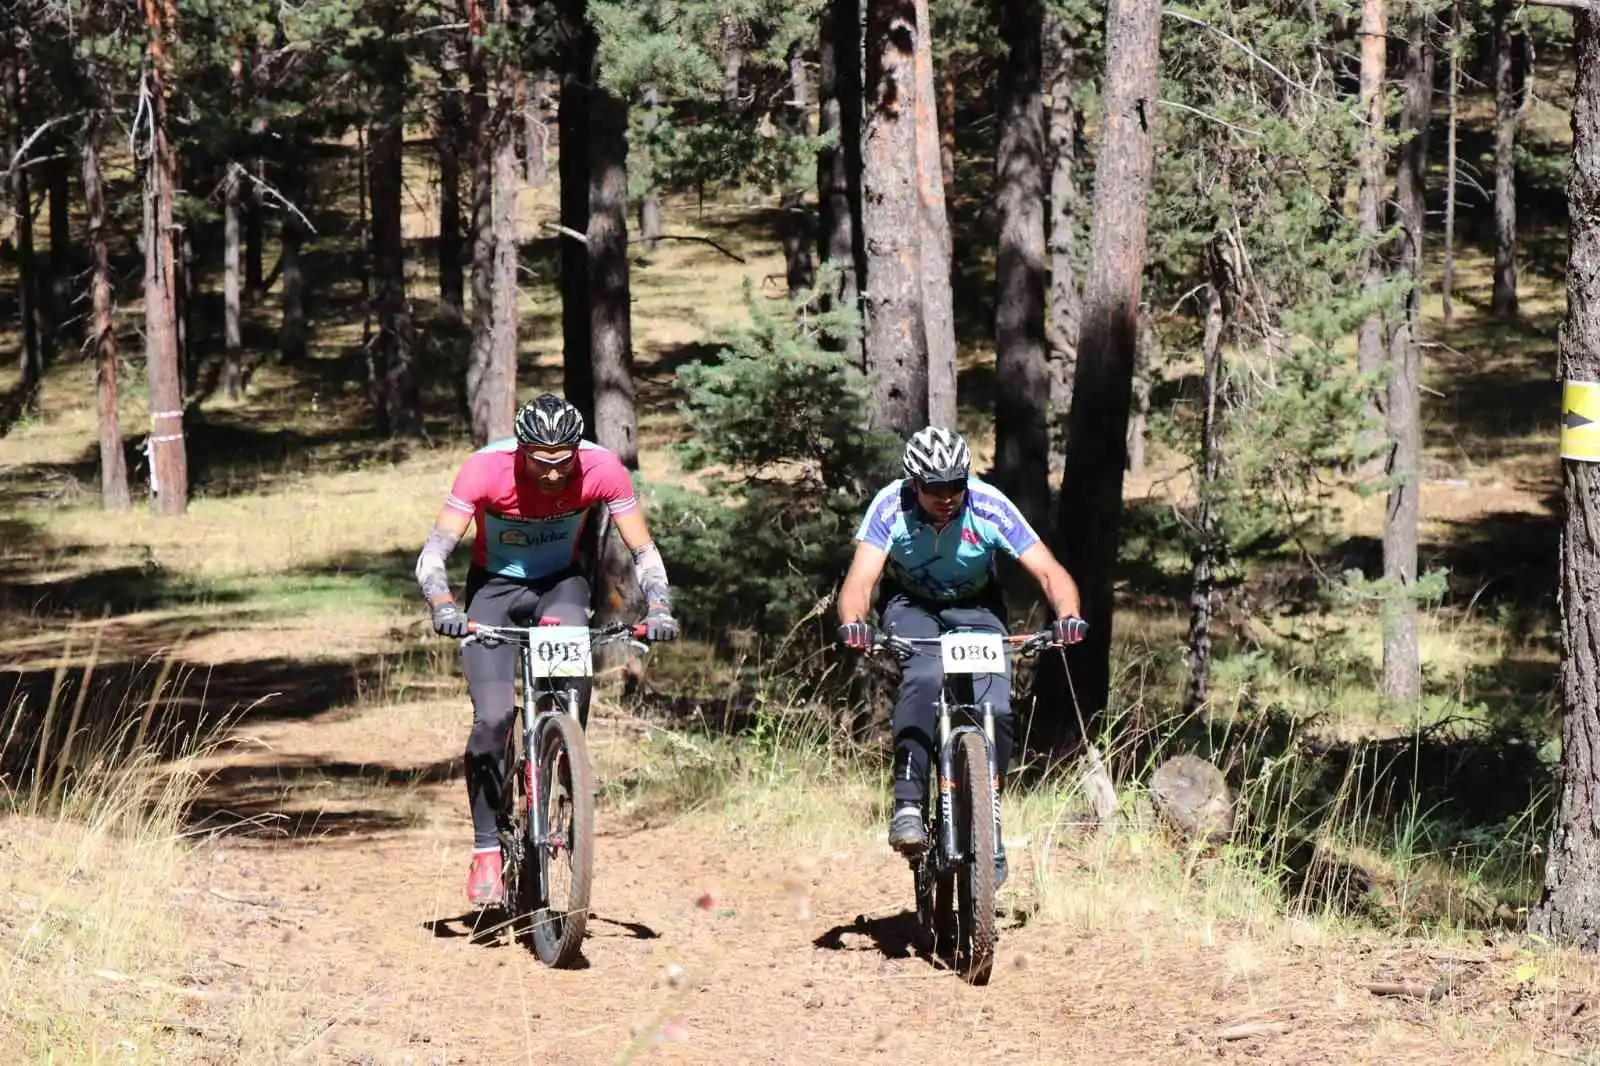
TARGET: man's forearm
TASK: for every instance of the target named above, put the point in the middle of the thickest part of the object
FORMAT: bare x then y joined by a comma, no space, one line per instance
1062,592
651,572
432,577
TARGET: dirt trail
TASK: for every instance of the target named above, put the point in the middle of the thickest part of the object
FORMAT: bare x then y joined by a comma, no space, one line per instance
350,943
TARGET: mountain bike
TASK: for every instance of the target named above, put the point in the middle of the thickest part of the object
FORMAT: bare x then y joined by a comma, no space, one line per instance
546,817
954,876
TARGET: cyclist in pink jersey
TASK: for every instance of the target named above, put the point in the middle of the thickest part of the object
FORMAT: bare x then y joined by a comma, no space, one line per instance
531,497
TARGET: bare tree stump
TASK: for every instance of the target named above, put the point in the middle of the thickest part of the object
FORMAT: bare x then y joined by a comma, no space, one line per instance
1192,795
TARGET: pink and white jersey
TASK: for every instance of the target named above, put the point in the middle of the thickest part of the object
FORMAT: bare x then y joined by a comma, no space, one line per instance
522,531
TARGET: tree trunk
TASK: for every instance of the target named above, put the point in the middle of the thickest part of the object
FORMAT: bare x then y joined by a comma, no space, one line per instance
1022,369
1402,670
650,202
938,301
1089,510
1372,160
1503,303
1208,539
294,332
392,368
896,333
58,179
733,36
494,401
447,142
169,464
31,360
947,123
840,242
188,298
1570,909
232,329
1145,356
536,133
102,336
573,167
611,329
795,220
1448,285
254,216
1066,300
232,333
487,128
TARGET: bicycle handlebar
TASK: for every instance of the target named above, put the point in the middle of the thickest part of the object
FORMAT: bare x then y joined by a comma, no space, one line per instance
1019,643
520,635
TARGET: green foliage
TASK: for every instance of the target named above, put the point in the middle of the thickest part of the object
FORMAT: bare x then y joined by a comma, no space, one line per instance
777,436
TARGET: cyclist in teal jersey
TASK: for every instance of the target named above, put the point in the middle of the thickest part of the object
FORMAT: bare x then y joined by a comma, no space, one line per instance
531,497
932,537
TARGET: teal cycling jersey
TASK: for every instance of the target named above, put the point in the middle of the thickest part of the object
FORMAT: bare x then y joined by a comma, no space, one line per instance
950,564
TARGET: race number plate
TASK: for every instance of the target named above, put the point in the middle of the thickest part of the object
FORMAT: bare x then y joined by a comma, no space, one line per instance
973,653
560,651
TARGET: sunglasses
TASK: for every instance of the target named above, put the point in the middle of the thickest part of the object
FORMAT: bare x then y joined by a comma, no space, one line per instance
549,460
944,490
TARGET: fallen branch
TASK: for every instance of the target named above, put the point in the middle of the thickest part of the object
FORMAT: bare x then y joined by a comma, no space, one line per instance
686,237
567,231
1570,5
1249,1029
1430,993
237,899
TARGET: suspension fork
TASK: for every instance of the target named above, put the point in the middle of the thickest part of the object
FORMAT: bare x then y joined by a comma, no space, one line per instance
994,769
531,729
946,778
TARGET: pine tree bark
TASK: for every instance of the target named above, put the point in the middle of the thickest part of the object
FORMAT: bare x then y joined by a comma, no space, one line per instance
1065,131
644,162
610,322
102,338
1207,534
1569,911
536,132
795,219
58,180
1503,302
392,367
947,124
573,166
1022,370
840,241
232,310
1447,286
294,329
169,464
254,220
31,358
938,300
1402,669
447,143
1089,510
1373,163
495,406
488,128
910,333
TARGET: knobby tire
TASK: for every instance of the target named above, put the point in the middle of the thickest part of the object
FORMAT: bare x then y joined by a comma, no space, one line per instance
567,792
974,815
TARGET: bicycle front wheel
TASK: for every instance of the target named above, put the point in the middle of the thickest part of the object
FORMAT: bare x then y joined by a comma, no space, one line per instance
974,817
566,794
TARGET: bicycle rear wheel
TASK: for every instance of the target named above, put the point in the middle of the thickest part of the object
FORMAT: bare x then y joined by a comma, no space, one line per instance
974,816
566,863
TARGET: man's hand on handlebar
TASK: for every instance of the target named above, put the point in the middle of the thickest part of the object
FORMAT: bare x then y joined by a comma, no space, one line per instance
1068,630
857,635
448,621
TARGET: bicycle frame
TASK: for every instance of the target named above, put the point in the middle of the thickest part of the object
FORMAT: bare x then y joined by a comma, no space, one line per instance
944,855
542,699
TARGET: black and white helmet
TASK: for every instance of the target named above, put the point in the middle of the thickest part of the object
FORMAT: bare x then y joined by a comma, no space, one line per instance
936,455
549,422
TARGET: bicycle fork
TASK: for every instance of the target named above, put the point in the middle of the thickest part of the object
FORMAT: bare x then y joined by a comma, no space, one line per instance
947,831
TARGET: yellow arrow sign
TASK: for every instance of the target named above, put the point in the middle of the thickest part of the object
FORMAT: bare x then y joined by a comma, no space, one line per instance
1580,421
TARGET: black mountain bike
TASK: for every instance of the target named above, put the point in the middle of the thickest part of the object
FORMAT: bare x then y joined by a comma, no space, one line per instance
546,816
954,876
